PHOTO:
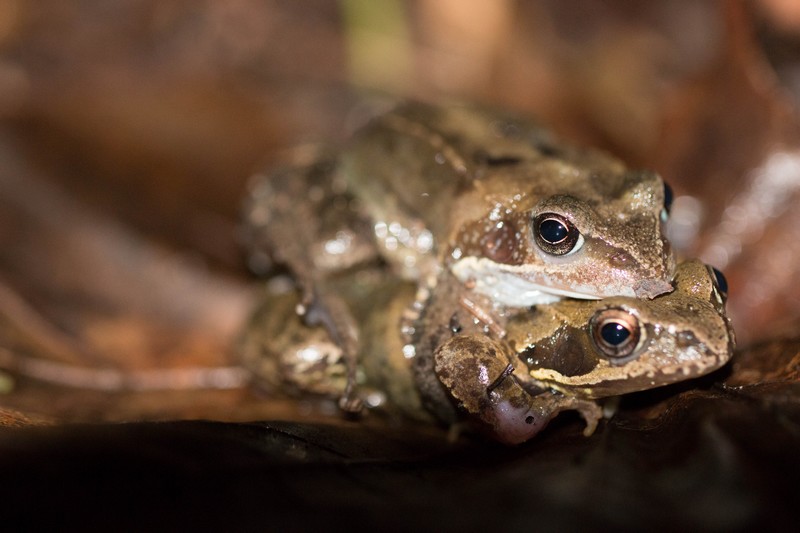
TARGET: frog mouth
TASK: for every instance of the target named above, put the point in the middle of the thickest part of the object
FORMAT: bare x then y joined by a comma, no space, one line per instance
506,284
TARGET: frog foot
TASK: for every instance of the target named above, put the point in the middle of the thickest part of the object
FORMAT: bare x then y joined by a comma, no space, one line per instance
321,308
589,410
351,405
516,416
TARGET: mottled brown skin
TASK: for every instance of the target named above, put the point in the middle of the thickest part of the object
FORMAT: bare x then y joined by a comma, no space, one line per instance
301,219
476,179
286,355
423,188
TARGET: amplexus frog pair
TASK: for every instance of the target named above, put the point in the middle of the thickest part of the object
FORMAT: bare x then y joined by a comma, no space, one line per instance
495,241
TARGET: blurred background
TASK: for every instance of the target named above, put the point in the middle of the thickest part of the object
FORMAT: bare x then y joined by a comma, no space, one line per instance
129,129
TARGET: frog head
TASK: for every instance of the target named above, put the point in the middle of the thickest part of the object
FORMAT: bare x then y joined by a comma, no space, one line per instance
621,344
510,208
566,228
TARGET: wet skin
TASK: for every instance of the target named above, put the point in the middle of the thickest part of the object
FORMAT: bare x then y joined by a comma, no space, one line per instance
511,211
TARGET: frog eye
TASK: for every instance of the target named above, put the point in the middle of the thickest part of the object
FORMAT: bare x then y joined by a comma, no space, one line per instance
720,282
668,197
556,235
616,333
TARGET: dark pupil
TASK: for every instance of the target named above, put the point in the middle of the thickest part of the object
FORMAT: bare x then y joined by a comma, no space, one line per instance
614,333
553,231
722,283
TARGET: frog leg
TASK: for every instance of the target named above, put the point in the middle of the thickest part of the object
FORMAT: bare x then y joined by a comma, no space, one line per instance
302,219
333,314
477,373
549,404
286,354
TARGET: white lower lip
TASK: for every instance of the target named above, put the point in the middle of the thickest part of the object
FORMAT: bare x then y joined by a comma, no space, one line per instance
504,284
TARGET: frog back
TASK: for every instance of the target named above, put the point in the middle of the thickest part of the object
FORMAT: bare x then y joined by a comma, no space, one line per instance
424,172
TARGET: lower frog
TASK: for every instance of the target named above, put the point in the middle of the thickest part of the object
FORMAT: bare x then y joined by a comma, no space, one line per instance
509,375
567,355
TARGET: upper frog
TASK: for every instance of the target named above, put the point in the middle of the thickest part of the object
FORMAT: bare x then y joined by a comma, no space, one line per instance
511,210
567,354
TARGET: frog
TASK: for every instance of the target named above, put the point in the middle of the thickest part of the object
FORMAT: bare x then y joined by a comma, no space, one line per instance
512,211
520,214
571,354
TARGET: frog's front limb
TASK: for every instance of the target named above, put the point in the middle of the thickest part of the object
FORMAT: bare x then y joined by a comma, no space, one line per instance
299,218
478,375
333,314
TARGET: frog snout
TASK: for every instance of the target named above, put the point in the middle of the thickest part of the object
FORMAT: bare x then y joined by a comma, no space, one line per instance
650,288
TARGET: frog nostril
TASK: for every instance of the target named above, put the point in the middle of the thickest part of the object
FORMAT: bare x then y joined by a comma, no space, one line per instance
619,260
484,158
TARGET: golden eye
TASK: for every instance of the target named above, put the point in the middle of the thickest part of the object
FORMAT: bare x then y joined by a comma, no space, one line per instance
616,333
556,235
